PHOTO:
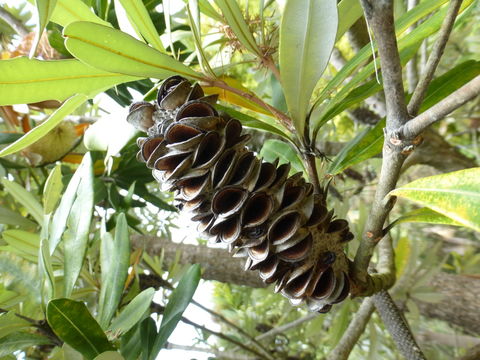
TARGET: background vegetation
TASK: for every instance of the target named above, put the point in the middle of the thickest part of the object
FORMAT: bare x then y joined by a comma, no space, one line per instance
86,235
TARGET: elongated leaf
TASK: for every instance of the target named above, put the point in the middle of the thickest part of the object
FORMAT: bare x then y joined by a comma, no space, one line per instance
26,80
68,11
72,323
25,198
142,23
178,302
307,36
53,189
10,217
44,128
131,342
44,11
148,333
233,15
425,215
455,195
110,355
365,145
133,312
254,123
112,50
59,221
78,222
10,323
349,11
273,149
19,341
24,241
46,269
117,271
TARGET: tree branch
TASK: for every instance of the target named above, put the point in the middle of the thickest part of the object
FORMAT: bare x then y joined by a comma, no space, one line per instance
355,329
437,112
434,58
286,327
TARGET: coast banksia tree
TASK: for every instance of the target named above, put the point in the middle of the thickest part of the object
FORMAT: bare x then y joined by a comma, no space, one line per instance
274,220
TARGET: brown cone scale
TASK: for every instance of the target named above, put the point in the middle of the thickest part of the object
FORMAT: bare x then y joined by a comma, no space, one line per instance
283,229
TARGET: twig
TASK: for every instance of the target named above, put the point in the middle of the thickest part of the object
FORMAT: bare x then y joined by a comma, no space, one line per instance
13,22
354,331
472,354
218,354
286,327
434,58
159,309
397,326
437,112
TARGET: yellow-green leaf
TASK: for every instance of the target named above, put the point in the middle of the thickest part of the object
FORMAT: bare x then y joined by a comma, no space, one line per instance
25,198
52,190
68,11
41,130
455,195
142,23
44,11
26,80
112,50
307,35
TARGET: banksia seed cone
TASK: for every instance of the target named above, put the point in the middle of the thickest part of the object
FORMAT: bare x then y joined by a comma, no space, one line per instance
275,221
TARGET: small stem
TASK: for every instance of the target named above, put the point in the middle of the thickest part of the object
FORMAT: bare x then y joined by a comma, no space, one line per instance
270,64
437,112
286,327
434,58
311,168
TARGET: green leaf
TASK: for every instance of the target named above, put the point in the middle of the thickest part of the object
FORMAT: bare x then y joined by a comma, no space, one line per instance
255,123
52,190
349,11
44,11
131,342
116,270
78,222
425,215
19,341
45,127
233,15
72,323
10,323
65,14
59,221
133,312
142,23
403,251
25,198
110,355
307,35
46,269
455,195
29,80
9,217
365,145
112,50
178,302
273,149
148,333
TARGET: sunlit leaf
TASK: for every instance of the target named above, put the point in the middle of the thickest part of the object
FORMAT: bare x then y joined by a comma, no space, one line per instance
10,217
403,252
26,80
307,36
349,11
110,355
76,237
44,128
10,323
233,15
133,312
112,50
18,341
52,190
72,323
68,11
44,11
141,21
425,215
455,195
